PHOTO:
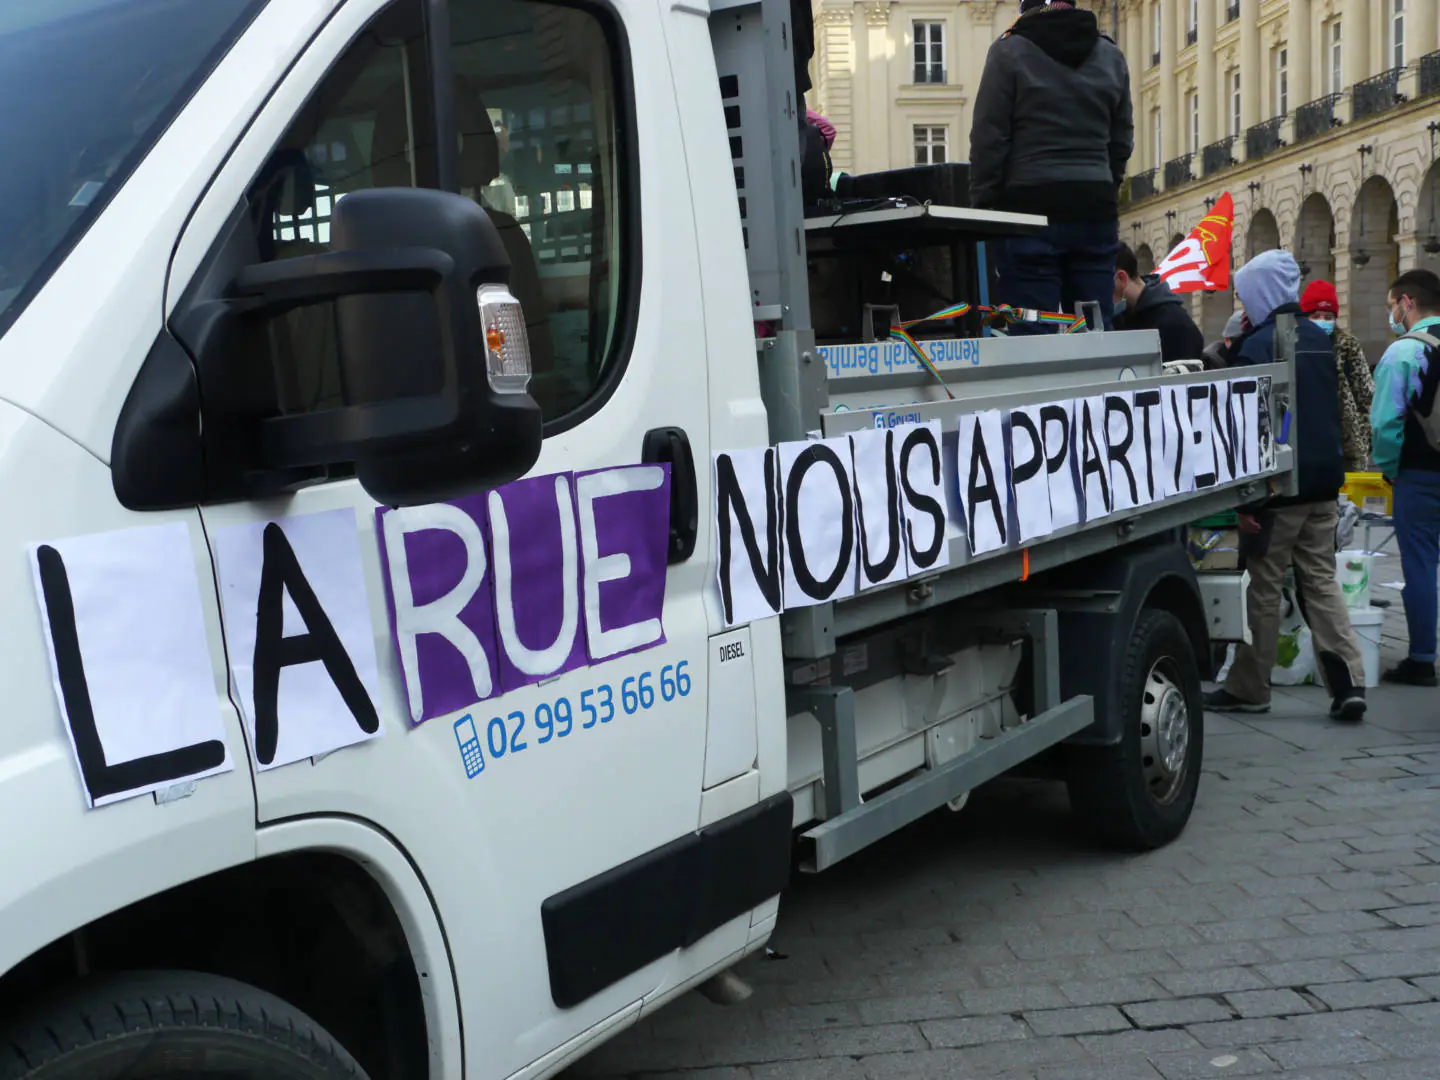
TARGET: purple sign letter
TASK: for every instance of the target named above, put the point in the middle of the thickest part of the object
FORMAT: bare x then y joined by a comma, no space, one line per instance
624,538
537,579
441,602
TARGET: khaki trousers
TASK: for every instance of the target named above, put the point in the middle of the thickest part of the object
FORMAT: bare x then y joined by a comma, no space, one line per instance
1303,535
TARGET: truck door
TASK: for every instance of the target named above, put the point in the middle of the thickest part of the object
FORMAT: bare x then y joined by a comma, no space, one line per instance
512,805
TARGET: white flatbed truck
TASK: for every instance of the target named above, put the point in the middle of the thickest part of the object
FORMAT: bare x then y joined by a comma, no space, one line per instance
371,708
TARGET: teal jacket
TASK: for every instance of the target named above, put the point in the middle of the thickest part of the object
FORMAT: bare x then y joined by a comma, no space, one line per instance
1397,383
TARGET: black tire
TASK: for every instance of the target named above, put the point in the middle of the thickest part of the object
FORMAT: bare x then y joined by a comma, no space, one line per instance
1138,794
161,1024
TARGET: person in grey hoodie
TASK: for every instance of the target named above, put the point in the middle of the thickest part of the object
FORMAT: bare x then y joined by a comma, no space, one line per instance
1052,133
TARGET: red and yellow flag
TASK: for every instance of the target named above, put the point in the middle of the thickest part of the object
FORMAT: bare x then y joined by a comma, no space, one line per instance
1202,261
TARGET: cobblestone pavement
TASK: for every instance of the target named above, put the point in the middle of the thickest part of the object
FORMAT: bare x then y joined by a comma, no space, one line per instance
1293,931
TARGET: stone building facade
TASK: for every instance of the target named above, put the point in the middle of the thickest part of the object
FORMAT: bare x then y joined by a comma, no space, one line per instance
1320,117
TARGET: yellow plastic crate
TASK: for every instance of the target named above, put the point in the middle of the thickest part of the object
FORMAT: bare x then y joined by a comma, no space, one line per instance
1369,492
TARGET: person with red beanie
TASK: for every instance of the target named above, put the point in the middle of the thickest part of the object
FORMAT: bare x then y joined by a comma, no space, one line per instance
1357,385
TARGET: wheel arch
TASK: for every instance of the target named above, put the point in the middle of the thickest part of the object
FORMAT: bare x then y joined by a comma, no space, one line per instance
1096,628
332,917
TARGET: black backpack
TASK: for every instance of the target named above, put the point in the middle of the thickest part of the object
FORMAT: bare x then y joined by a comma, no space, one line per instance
1423,408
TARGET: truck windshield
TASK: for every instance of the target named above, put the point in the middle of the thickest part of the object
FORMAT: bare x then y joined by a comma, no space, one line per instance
88,87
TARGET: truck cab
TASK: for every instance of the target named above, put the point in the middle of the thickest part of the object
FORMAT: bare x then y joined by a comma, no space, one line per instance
372,707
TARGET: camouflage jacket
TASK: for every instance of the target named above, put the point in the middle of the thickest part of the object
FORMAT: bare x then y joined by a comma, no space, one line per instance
1357,388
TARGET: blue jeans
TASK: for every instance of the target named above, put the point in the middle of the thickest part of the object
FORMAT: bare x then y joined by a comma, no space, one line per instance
1063,264
1417,530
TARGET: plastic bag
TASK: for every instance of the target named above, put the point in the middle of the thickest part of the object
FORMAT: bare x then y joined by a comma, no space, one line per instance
1294,659
1345,527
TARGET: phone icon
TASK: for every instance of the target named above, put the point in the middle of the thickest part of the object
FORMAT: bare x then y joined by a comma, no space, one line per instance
470,752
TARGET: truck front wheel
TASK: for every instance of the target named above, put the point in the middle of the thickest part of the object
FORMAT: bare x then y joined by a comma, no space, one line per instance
1138,794
170,1024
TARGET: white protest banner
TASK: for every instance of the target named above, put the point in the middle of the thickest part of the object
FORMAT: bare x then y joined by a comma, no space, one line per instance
1125,451
130,659
1029,478
302,648
1148,412
1094,459
879,519
1202,435
1179,443
747,522
819,518
1057,431
984,480
921,470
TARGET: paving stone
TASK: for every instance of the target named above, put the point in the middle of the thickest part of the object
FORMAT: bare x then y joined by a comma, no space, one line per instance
1412,915
905,1010
1157,937
1426,1014
1108,1070
971,1031
925,1065
1178,1012
830,1068
1396,964
1224,954
1336,922
1112,991
1218,981
1032,972
1421,1043
1416,894
1140,962
1231,1033
1398,1070
1307,1053
810,1017
1211,1063
1045,947
1256,929
878,1039
1349,900
1256,1003
1305,972
1131,1043
1095,1019
1351,1023
1323,947
1013,999
1022,1054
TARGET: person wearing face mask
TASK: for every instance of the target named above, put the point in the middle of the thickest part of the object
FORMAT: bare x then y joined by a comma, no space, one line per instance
1298,529
1357,386
1405,387
1146,303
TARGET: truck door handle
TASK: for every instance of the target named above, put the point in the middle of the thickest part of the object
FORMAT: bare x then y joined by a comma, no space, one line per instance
671,445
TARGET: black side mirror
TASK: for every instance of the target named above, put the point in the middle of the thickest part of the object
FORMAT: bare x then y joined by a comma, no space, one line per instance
430,410
415,373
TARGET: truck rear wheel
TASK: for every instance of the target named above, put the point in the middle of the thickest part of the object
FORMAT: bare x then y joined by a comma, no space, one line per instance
163,1024
1139,793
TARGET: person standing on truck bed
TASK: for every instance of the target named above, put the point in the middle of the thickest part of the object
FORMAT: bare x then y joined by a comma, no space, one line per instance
1407,452
1146,303
1300,529
1053,131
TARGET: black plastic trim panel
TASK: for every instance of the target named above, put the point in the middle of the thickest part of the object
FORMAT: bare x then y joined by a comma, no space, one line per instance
612,925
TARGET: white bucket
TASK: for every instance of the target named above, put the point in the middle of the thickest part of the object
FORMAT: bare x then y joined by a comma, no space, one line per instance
1367,623
1352,573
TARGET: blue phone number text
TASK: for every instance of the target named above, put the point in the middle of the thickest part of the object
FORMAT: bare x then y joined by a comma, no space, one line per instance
510,734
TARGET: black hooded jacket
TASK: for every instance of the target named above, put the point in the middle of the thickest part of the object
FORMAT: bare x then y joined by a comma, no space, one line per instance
1053,126
1160,309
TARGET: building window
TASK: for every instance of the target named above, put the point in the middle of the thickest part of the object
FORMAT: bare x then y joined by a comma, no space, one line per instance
929,52
932,145
1192,23
1192,107
1282,81
1155,33
1397,34
1157,133
1235,102
1337,56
